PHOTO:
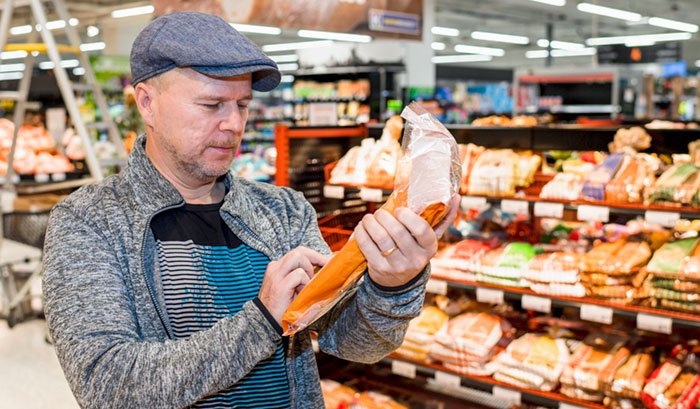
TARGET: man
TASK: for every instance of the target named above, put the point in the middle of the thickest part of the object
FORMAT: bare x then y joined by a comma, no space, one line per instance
165,285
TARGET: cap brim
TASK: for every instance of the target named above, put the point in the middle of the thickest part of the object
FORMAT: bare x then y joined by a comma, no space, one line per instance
265,78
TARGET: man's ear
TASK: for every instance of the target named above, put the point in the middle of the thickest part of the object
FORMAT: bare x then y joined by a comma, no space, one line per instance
145,95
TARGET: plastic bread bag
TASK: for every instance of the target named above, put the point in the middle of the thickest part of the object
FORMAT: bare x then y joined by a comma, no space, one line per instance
427,177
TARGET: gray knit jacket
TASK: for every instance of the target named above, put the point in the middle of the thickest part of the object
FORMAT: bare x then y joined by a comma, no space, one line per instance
106,314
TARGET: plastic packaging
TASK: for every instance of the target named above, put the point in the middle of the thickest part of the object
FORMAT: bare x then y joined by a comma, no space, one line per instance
427,177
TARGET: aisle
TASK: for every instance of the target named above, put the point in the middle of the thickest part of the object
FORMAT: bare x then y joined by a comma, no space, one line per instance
30,376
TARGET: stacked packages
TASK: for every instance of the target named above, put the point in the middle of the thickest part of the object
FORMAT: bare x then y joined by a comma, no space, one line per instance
676,383
505,266
459,261
421,333
339,396
555,274
675,269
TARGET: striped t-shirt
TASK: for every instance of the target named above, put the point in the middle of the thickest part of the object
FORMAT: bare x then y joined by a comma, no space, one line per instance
208,273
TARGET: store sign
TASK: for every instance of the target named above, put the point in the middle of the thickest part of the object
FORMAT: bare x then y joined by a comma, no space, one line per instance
621,54
379,18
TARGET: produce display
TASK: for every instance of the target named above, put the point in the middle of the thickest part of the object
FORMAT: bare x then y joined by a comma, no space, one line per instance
500,120
36,153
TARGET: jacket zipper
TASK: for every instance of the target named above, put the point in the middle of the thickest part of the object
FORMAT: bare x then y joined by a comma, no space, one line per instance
151,290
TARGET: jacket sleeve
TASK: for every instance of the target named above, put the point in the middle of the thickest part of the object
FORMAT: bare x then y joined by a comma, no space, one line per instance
370,322
91,316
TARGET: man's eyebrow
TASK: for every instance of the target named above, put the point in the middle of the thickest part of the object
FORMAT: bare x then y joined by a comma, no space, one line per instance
223,97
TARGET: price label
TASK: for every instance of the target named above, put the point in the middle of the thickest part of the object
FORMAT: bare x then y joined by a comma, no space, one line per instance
508,395
489,296
58,177
544,209
471,202
447,379
540,304
405,369
371,195
314,346
593,213
15,178
594,313
436,286
666,219
41,178
518,207
655,323
333,192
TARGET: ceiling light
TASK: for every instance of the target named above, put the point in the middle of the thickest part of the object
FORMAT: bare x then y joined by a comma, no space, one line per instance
35,53
557,3
329,35
285,58
537,54
73,22
92,31
544,43
296,46
642,37
438,46
697,63
133,11
287,79
445,31
7,76
447,59
574,53
639,43
608,12
92,46
564,45
13,55
288,67
250,28
48,65
12,67
471,49
673,24
502,38
79,71
19,30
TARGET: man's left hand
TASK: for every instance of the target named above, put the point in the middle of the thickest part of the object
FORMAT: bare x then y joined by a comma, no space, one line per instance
398,247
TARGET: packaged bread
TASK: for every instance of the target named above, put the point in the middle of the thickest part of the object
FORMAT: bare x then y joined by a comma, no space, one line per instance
667,185
427,178
421,333
621,257
630,181
595,181
337,395
468,154
506,266
385,155
533,361
667,260
375,400
494,173
628,380
458,261
523,121
676,383
564,186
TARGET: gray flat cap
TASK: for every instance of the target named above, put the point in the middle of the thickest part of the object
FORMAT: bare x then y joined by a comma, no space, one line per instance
203,42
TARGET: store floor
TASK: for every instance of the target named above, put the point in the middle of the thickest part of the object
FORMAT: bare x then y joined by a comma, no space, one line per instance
30,376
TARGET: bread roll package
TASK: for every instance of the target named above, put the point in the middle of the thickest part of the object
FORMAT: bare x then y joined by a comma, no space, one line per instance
427,177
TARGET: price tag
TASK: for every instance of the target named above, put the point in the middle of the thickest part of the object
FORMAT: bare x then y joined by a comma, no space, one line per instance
593,213
447,379
489,296
544,209
655,323
41,178
58,177
540,304
436,286
405,369
595,313
666,219
314,346
333,192
515,206
471,202
371,195
508,395
15,178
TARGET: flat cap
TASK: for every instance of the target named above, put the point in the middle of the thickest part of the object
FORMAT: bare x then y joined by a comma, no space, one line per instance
203,42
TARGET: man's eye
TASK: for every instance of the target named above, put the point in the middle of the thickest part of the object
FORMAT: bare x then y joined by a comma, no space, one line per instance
212,106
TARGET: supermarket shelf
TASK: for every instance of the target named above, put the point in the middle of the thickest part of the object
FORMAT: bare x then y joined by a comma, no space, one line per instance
33,188
485,383
680,319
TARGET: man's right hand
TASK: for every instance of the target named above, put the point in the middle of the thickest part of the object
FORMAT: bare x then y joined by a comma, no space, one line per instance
284,278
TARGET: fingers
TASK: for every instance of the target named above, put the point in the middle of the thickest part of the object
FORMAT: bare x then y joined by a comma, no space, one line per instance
369,248
421,230
295,281
398,233
378,233
301,257
316,258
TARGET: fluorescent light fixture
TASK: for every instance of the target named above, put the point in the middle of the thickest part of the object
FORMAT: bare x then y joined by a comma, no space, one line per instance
288,67
296,46
19,30
472,49
250,28
542,42
92,31
438,46
557,3
447,59
285,58
697,63
564,45
35,53
287,78
501,38
7,76
133,11
329,35
673,24
13,55
537,54
574,53
73,22
642,37
52,25
445,31
79,71
48,65
92,46
639,43
608,12
12,67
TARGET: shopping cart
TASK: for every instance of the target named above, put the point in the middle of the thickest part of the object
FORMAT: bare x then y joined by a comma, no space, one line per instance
337,227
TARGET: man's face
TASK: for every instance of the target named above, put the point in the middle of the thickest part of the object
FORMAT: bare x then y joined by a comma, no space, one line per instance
198,121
